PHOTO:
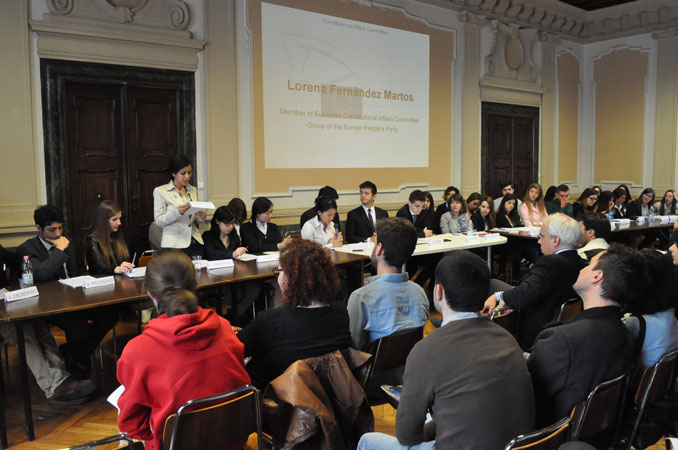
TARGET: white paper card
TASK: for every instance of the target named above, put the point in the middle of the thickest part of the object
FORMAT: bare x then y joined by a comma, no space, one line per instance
75,282
663,219
492,237
115,396
98,282
673,218
474,238
219,264
267,258
20,294
199,206
435,241
246,257
137,272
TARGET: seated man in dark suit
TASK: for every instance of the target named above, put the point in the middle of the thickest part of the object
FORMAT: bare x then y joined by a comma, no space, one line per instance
412,211
569,359
442,208
561,204
54,257
328,192
470,373
548,283
596,233
361,223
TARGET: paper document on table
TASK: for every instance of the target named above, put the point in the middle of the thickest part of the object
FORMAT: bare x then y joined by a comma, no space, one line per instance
199,206
76,281
246,257
115,396
137,272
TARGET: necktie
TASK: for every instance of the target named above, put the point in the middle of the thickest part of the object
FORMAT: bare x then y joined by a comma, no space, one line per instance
414,218
369,217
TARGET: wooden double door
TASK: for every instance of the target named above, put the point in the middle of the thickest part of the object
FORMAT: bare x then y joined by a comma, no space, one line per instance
509,147
116,141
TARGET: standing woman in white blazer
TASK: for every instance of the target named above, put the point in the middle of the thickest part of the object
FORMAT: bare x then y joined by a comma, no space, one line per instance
170,203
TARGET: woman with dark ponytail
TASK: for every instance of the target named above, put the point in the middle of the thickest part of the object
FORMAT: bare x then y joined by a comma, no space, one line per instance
185,353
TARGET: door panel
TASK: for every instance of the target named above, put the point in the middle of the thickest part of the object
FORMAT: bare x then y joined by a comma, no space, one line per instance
509,137
93,149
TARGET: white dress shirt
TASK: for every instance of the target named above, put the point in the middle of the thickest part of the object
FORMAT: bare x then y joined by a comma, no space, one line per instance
313,231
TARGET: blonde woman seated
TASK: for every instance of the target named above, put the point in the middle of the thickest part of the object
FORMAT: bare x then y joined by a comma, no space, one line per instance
533,210
185,353
455,220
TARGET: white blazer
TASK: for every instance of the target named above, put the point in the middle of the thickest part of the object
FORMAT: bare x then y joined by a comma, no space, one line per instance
313,231
177,229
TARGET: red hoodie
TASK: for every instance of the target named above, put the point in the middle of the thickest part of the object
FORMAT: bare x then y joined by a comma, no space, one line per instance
175,360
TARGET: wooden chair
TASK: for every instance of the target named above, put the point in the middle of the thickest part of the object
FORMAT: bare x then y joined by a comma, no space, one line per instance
144,259
549,438
655,385
109,440
390,352
569,309
601,411
507,319
213,422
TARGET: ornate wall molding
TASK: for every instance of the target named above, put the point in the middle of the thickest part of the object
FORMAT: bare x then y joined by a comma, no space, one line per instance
572,23
515,54
148,33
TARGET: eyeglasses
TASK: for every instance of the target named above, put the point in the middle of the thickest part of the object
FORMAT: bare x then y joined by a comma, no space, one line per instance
277,272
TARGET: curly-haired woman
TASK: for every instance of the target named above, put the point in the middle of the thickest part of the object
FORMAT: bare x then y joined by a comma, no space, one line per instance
308,323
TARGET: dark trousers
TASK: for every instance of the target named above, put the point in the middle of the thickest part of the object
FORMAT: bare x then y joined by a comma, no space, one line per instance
83,337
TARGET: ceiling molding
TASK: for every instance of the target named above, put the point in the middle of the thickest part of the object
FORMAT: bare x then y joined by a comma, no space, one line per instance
572,23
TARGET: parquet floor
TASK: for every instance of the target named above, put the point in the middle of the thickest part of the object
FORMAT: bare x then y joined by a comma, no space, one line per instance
60,426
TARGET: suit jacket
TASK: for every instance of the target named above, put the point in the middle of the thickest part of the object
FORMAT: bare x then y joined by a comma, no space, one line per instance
617,213
543,289
49,266
468,389
569,359
358,225
258,242
634,210
215,249
311,213
177,229
422,220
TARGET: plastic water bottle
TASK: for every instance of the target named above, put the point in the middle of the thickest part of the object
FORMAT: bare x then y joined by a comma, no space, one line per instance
650,213
610,215
26,273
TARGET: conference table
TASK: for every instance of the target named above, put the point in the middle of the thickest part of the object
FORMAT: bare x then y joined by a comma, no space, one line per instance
617,227
56,298
441,243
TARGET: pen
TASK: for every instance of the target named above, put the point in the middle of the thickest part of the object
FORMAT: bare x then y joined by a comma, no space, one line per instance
134,257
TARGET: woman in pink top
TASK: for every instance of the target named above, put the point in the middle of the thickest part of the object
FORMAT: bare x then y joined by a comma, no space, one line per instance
533,210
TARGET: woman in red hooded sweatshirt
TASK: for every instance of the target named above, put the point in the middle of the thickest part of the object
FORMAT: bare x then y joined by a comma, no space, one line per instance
185,353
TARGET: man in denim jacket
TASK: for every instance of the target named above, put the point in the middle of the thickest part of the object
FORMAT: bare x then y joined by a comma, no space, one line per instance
389,302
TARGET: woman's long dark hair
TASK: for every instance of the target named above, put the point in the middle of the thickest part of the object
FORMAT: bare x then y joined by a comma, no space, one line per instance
513,215
672,208
224,214
582,200
112,245
260,206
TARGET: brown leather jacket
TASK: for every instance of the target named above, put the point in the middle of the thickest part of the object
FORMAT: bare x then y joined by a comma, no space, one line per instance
318,403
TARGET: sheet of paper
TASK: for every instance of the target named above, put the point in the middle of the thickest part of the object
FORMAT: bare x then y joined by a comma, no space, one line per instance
76,281
199,206
115,395
246,257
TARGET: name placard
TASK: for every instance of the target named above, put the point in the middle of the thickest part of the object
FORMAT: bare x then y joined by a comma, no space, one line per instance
492,237
98,282
137,272
473,238
672,218
219,264
20,294
267,258
664,219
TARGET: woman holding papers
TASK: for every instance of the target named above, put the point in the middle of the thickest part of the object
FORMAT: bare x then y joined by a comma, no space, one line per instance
171,203
106,252
221,240
259,234
185,353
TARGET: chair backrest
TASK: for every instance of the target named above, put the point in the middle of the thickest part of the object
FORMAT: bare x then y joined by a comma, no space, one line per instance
656,383
507,319
145,258
601,410
549,438
213,422
569,309
391,351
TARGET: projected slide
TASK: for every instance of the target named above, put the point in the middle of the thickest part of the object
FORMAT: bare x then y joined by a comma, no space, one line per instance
338,93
